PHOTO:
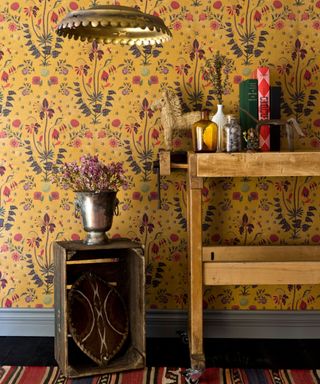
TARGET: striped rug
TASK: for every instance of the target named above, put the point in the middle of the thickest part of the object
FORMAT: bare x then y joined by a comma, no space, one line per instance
52,375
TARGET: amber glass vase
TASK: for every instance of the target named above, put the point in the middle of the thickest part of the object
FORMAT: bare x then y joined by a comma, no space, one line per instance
204,134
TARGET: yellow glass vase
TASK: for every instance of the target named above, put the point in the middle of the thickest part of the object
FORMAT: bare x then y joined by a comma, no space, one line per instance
204,134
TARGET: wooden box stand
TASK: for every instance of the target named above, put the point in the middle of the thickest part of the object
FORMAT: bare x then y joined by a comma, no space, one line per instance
121,264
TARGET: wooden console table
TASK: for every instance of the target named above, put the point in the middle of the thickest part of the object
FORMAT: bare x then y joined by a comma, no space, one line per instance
221,265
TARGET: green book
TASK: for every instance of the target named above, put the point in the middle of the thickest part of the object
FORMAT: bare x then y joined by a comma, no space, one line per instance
248,106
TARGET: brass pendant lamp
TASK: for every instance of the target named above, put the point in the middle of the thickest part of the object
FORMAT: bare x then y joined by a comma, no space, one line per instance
114,24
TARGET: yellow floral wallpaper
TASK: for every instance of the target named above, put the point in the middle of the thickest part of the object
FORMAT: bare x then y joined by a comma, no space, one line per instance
60,99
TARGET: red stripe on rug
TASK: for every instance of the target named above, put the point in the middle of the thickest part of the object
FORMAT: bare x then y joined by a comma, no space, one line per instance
272,376
33,375
212,376
133,377
302,376
159,374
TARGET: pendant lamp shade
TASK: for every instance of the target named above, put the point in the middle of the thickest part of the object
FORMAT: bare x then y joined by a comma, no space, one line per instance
114,24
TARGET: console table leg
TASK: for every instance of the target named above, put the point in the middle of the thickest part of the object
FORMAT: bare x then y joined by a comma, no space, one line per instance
194,186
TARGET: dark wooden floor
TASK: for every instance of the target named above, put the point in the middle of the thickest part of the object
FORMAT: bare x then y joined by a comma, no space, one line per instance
242,353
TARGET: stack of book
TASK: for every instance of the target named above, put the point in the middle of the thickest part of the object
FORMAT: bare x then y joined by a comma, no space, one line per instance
258,100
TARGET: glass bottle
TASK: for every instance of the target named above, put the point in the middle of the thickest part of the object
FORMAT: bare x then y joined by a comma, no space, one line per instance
232,134
204,134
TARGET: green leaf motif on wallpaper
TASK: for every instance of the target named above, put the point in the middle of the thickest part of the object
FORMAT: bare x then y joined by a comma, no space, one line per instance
42,152
154,274
93,99
84,108
190,84
146,53
33,163
35,277
40,146
108,102
39,32
208,217
40,261
6,108
11,217
182,221
243,30
293,208
298,73
32,47
140,149
7,218
41,39
8,212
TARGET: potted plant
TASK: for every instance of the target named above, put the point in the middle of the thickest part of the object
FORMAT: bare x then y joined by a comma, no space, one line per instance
96,185
216,71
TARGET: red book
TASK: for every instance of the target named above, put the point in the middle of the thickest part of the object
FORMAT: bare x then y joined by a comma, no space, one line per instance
263,76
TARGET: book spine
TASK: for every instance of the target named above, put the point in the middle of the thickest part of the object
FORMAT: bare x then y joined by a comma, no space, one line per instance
275,113
242,109
248,106
263,76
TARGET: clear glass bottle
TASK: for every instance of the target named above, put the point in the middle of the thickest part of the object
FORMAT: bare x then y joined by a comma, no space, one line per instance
232,134
204,134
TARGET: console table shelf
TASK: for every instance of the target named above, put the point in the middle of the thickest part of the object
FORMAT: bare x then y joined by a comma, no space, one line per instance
231,265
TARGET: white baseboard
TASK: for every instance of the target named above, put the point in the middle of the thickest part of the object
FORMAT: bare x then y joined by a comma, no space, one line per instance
167,323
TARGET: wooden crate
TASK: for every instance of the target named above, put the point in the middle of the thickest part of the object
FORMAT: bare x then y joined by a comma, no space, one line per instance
120,262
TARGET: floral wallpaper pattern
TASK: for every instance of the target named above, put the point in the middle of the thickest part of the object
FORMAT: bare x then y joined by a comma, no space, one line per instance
62,98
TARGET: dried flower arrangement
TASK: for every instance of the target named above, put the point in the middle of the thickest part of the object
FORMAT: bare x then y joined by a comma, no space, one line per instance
216,70
91,175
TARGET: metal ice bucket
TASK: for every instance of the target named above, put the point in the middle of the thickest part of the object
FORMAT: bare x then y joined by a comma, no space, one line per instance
97,210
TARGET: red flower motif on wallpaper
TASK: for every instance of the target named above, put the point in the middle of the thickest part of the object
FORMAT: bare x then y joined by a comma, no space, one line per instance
3,280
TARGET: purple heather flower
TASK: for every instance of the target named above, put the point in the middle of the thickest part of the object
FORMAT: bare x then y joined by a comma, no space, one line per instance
92,175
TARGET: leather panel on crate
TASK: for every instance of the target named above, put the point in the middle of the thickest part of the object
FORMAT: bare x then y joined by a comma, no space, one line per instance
98,318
